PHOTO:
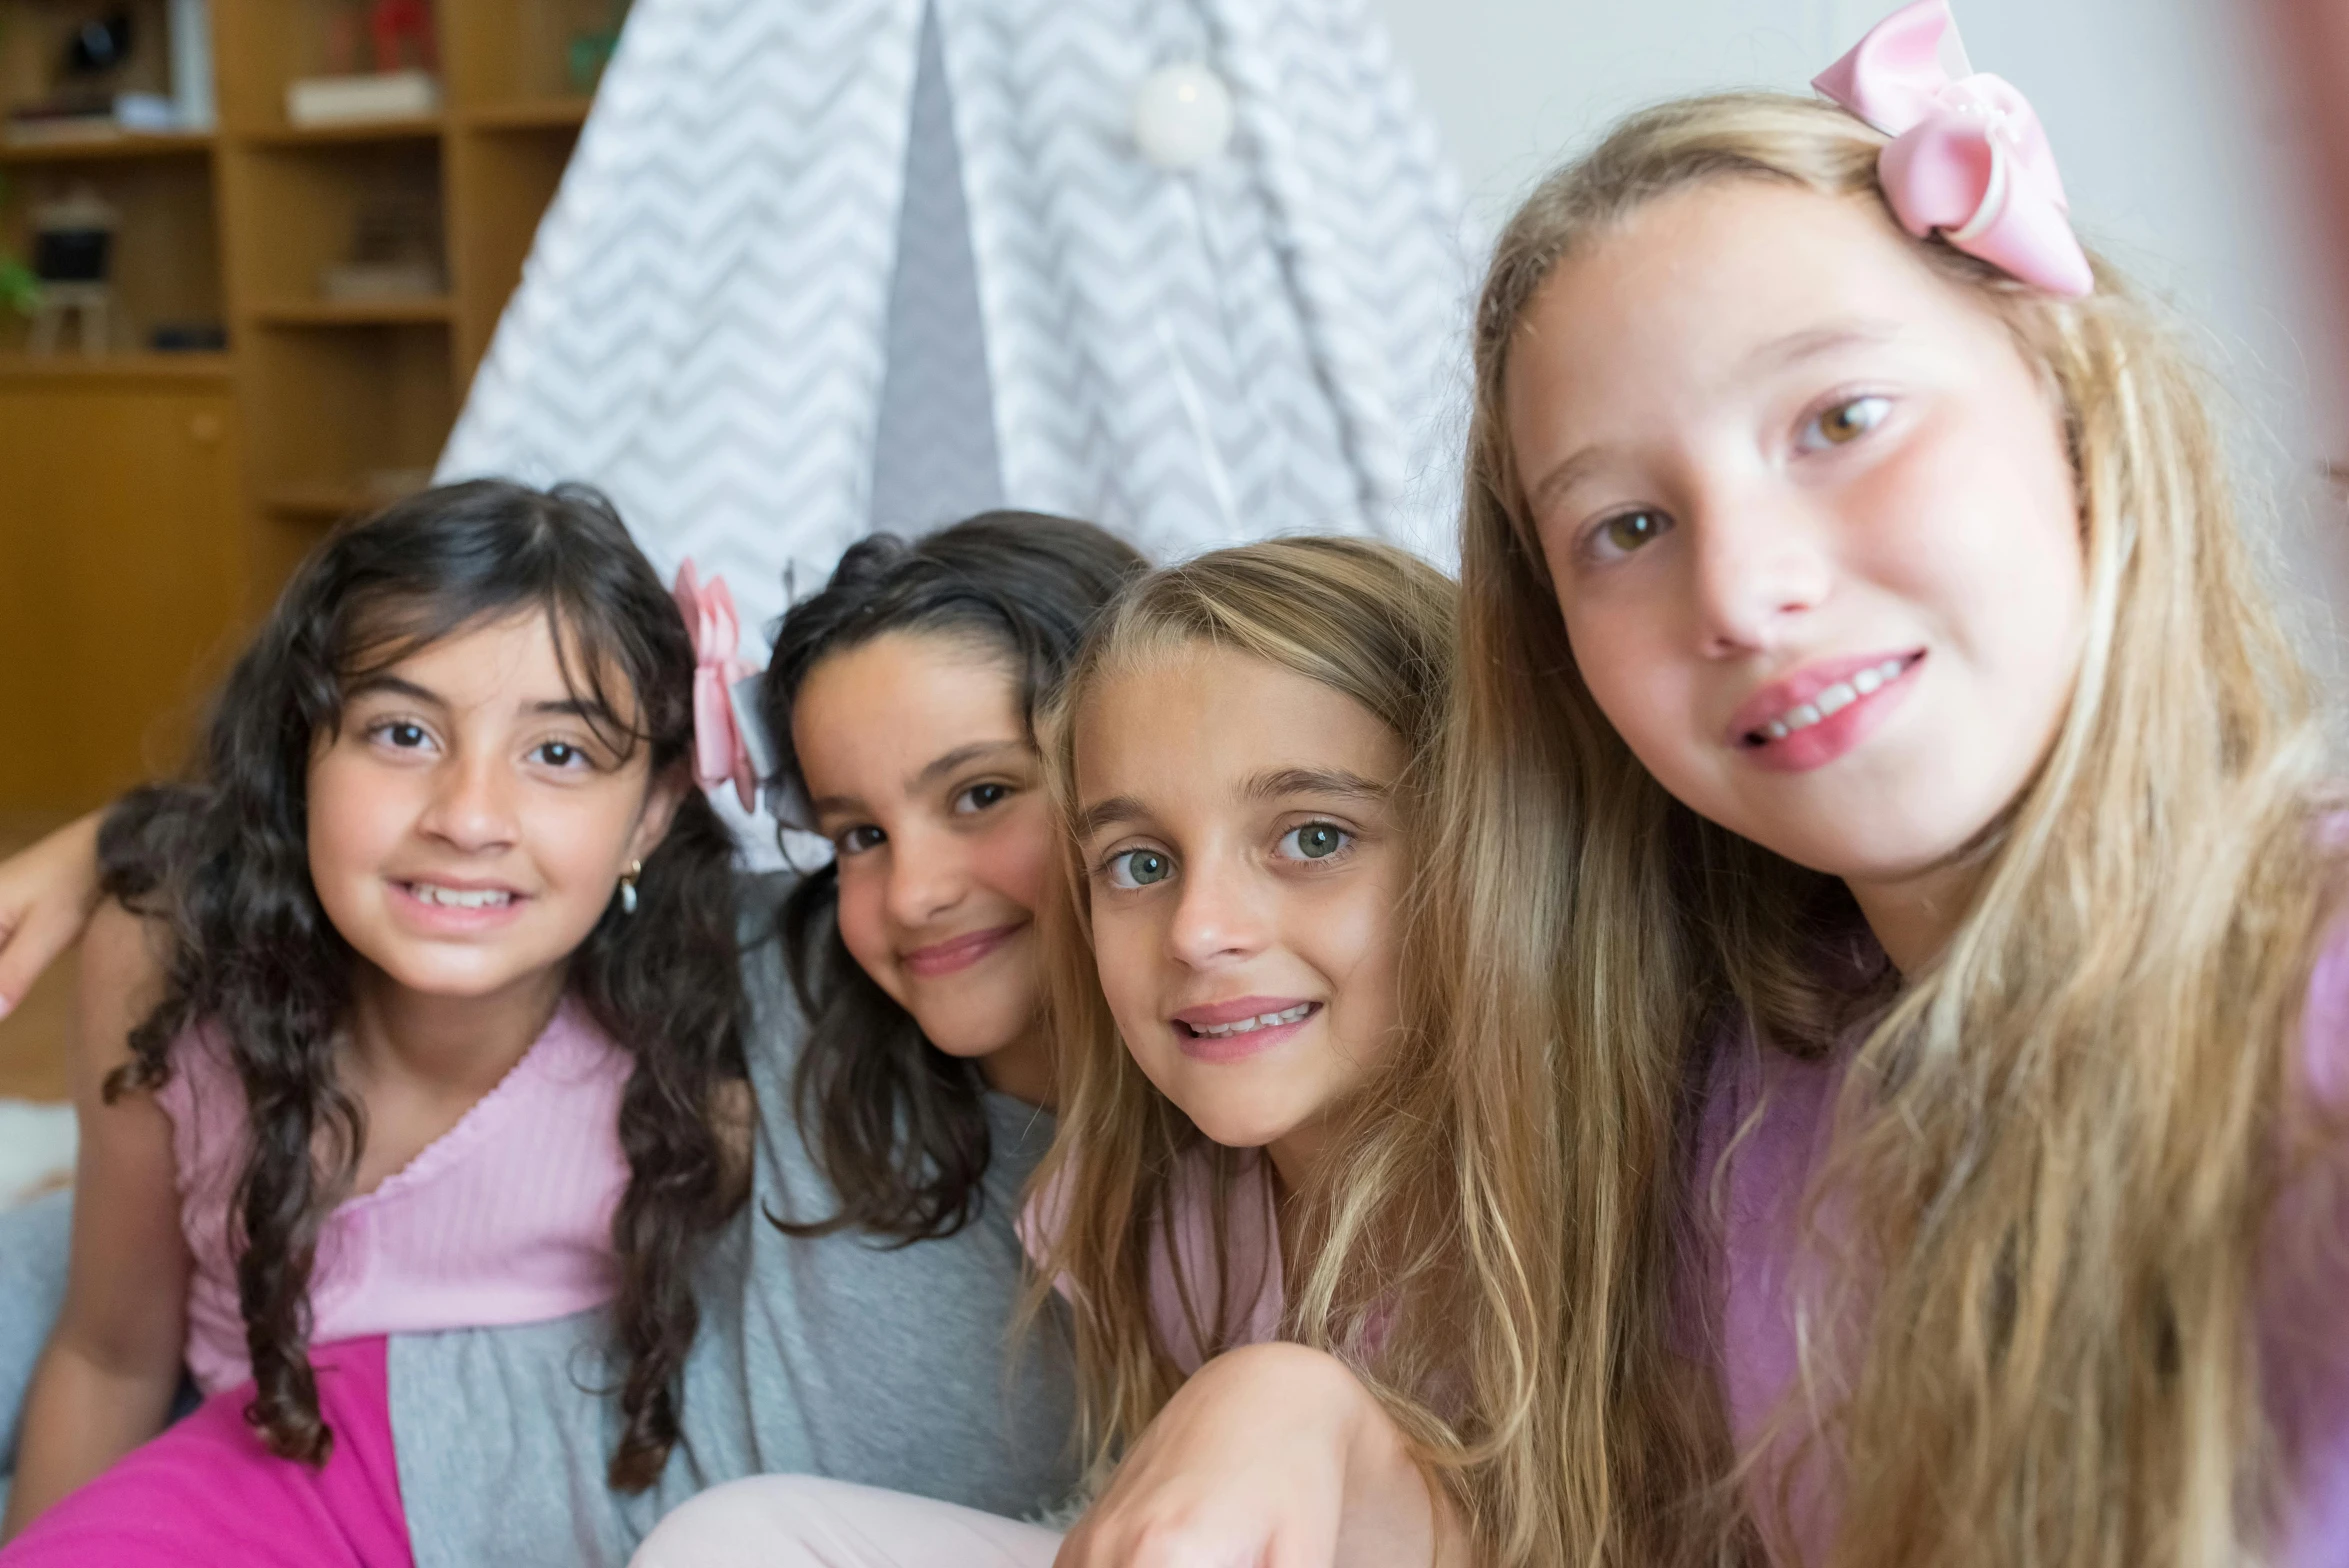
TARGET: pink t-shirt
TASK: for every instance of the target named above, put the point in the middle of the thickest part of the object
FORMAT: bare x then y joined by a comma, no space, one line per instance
1759,1263
1244,1275
505,1218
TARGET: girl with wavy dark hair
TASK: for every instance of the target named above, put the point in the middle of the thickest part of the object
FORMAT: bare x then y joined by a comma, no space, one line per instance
448,1032
902,698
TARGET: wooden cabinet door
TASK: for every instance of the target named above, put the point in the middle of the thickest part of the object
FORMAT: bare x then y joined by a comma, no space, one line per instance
120,566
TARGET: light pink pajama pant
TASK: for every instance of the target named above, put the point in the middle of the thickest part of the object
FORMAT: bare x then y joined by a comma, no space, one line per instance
800,1521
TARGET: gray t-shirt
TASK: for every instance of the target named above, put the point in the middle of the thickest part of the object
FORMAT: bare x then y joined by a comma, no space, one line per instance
839,1356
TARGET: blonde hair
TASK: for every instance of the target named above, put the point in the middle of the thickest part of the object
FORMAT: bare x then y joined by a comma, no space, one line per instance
1369,622
2053,1148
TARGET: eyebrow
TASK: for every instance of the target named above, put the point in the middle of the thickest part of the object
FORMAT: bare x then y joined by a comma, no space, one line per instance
1780,353
1115,811
1276,784
961,756
1283,782
393,685
932,771
1811,342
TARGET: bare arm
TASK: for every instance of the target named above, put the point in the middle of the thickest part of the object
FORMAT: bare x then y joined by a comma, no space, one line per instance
1271,1457
105,1382
46,895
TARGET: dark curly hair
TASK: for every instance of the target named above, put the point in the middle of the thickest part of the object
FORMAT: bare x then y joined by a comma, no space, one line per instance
895,1124
222,864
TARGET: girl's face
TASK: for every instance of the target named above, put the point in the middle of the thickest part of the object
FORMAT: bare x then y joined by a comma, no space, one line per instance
1245,867
1811,522
468,826
920,771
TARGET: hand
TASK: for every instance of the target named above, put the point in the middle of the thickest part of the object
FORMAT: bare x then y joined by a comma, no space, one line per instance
47,894
1274,1456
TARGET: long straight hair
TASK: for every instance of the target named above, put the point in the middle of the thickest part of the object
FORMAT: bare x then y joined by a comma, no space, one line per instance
897,1126
224,868
1372,624
2055,1150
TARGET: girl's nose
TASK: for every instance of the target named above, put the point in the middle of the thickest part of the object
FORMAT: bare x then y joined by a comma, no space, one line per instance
1220,916
1759,563
927,877
473,806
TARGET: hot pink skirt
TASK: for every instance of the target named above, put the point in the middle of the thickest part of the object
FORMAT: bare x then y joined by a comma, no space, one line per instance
206,1494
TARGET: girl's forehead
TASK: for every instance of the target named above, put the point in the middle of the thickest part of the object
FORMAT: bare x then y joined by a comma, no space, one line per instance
1707,278
1202,720
527,656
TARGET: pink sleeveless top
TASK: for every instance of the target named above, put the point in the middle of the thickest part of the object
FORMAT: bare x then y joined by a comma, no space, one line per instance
505,1218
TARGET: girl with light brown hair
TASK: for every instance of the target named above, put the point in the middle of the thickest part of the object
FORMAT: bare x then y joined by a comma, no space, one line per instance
1886,944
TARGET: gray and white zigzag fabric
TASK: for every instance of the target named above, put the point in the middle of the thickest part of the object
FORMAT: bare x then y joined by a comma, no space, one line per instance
748,314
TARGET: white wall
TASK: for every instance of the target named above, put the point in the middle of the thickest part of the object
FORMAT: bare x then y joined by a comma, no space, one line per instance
2169,133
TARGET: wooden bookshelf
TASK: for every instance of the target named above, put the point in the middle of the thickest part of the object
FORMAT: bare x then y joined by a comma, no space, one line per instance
319,409
118,147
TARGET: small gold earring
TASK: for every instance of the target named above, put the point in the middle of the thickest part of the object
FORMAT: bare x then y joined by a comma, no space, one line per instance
628,886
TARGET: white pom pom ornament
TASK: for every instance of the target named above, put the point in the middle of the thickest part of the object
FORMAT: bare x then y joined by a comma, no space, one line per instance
1182,117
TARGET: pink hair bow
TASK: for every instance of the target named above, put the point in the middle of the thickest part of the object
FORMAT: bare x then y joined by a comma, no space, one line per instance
720,751
1968,156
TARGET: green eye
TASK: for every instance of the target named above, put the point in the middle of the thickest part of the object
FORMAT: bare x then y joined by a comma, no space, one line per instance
1314,841
1139,868
1627,531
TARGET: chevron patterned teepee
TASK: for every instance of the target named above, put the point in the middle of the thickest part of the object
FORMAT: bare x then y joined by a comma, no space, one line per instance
821,266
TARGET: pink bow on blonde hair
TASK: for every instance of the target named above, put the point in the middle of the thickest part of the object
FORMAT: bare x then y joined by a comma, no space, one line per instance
1968,156
720,752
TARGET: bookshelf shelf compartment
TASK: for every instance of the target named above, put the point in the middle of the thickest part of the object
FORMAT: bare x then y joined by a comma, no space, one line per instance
551,114
99,368
120,148
421,128
354,313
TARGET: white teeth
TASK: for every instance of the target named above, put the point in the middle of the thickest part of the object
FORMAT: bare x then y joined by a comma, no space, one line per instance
1251,1025
1835,698
461,898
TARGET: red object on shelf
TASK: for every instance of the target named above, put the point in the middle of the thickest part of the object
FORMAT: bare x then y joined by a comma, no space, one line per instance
398,24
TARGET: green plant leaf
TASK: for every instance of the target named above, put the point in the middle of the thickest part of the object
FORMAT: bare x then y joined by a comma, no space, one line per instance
20,291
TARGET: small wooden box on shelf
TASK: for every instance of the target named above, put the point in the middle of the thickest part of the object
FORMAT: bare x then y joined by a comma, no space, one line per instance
338,384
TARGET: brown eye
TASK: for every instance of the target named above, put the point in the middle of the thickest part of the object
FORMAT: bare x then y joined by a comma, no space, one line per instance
1627,531
1847,422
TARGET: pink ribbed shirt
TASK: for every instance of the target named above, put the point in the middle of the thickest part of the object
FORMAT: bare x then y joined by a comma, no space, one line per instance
505,1218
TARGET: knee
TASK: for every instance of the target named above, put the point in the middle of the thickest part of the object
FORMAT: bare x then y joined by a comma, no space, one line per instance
767,1521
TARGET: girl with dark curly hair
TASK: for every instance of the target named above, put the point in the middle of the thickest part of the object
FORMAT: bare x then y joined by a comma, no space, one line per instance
897,1053
431,1018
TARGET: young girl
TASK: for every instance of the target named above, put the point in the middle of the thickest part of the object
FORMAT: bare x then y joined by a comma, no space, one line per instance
1869,705
903,700
446,1018
1235,759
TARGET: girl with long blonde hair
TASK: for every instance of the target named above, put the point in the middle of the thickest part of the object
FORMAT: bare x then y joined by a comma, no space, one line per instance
1887,950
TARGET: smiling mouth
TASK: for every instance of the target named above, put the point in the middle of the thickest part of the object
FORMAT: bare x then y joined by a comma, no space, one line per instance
460,897
1287,1015
1832,700
956,953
